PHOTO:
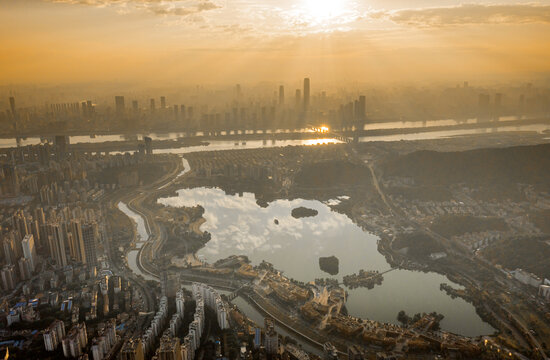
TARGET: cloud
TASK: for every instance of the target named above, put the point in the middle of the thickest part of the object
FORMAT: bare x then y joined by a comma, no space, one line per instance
158,7
468,14
181,9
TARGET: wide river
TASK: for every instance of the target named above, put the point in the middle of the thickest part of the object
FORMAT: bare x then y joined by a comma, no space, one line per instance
239,226
501,126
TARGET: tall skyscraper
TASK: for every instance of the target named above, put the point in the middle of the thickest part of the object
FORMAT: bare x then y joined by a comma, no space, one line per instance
306,94
152,106
298,99
77,245
120,108
182,112
90,244
281,95
176,112
56,244
163,102
12,105
62,145
135,107
29,251
360,110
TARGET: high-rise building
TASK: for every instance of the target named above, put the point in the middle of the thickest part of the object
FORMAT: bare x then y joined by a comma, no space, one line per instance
75,341
306,94
56,244
10,184
152,105
170,348
12,105
90,244
132,350
9,277
76,242
182,112
8,247
148,145
29,251
271,339
135,107
53,335
257,337
39,216
180,303
120,108
24,269
62,145
163,102
298,99
281,95
19,221
361,109
176,112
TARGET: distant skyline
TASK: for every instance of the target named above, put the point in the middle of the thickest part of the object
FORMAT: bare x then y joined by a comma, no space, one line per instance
228,41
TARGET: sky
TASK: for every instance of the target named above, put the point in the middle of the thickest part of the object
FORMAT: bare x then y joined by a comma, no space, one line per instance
228,41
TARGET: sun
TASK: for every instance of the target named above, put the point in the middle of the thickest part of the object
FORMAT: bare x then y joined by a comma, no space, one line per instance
325,11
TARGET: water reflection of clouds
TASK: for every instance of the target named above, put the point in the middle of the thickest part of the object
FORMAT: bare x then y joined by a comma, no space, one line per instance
237,223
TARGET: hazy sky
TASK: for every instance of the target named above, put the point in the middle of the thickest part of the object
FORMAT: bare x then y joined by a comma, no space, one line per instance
208,41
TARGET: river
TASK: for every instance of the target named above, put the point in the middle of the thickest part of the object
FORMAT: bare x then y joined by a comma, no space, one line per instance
498,126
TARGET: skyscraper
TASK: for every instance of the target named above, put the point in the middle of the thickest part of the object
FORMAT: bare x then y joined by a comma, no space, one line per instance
8,247
12,105
152,106
29,251
298,99
281,95
62,145
135,107
9,277
56,244
176,112
119,102
306,94
76,245
362,106
163,102
89,240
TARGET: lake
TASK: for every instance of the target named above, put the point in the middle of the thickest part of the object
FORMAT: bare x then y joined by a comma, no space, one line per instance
240,227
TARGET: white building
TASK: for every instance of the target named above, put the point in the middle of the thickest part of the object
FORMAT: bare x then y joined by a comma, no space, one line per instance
544,292
527,278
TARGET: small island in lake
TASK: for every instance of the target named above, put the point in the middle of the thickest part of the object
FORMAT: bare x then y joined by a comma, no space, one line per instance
302,212
329,264
364,278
